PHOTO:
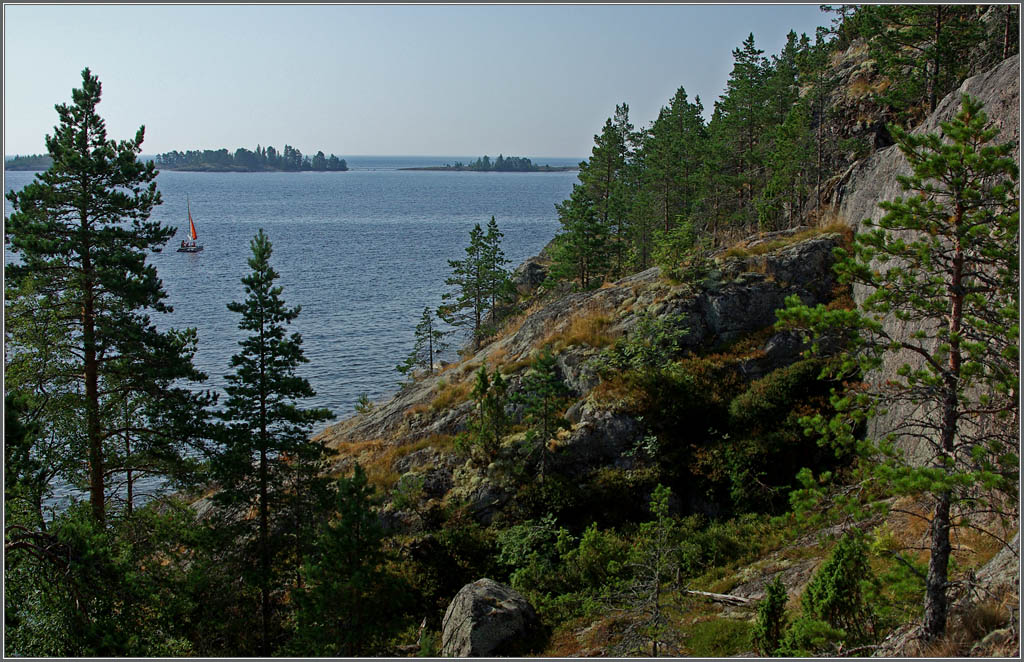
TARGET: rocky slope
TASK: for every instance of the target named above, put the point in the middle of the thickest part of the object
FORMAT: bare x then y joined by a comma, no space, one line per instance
409,440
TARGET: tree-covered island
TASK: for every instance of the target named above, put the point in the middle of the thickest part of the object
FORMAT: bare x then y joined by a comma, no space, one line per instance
31,162
500,164
262,159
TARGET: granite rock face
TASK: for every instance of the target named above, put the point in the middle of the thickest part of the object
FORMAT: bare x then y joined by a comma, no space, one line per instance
488,619
875,180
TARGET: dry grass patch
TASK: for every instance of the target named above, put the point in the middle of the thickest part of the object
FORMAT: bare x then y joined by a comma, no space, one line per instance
377,457
589,327
835,225
449,394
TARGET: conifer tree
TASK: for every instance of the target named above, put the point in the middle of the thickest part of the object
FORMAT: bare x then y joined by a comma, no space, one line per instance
671,157
498,283
428,344
82,231
580,250
740,116
468,298
945,259
924,49
543,396
266,443
350,605
490,394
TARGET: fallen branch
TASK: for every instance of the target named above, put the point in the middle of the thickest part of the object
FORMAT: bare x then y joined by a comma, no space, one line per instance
723,598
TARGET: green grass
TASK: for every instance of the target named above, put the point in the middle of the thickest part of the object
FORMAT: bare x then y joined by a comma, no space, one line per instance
720,637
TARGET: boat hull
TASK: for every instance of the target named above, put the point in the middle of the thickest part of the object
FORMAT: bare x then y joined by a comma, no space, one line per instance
190,249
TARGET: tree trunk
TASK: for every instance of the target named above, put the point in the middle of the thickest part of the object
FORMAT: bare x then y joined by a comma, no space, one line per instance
936,606
92,397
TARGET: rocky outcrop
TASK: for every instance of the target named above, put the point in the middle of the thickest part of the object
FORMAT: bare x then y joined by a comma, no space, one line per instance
489,619
875,180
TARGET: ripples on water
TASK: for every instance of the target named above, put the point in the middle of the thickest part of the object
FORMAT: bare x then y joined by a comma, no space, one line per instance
361,251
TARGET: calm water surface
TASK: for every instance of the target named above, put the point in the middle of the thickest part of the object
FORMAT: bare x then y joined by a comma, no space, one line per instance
362,252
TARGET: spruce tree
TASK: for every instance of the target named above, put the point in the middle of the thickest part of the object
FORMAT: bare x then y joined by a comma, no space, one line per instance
82,231
268,463
946,260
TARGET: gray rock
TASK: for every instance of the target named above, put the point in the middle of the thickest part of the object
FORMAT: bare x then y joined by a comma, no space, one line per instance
489,619
601,438
530,274
875,180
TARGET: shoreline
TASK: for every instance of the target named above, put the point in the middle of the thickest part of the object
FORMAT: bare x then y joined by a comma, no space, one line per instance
467,169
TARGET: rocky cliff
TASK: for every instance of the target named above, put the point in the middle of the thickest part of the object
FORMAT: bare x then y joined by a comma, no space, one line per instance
875,180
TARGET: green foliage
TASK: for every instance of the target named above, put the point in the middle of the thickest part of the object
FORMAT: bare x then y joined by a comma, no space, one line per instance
81,590
29,162
543,396
244,160
947,259
924,50
681,252
771,619
719,637
653,344
349,605
363,404
491,422
834,605
268,463
480,284
429,343
82,233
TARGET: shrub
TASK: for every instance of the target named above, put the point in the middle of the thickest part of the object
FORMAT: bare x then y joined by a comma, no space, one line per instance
771,619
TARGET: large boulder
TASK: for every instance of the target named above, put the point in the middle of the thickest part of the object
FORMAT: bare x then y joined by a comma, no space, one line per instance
489,619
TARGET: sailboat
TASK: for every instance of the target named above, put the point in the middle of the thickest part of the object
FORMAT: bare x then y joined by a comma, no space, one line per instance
190,246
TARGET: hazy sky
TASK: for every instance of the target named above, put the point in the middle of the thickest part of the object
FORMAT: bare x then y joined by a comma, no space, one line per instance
526,80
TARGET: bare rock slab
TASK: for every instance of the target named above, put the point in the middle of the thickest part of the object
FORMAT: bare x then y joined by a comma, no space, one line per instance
488,619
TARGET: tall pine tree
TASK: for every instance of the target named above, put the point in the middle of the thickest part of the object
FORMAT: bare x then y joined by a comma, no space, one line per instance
82,231
268,463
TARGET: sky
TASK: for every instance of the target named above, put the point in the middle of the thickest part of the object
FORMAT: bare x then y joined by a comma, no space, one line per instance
389,79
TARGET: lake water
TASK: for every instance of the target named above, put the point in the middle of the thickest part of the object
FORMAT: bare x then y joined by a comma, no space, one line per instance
361,251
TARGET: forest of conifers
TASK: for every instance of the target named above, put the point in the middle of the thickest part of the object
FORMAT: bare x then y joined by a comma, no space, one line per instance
254,550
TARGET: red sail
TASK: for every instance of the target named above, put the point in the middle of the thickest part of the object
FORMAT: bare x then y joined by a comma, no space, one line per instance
191,225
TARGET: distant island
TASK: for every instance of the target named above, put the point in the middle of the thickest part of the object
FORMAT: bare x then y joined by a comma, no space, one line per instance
500,164
262,159
32,162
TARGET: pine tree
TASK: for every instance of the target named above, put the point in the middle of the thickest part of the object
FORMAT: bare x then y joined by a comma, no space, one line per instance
83,231
469,297
543,395
498,283
945,259
428,344
266,434
350,605
580,250
671,157
923,49
740,115
491,420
